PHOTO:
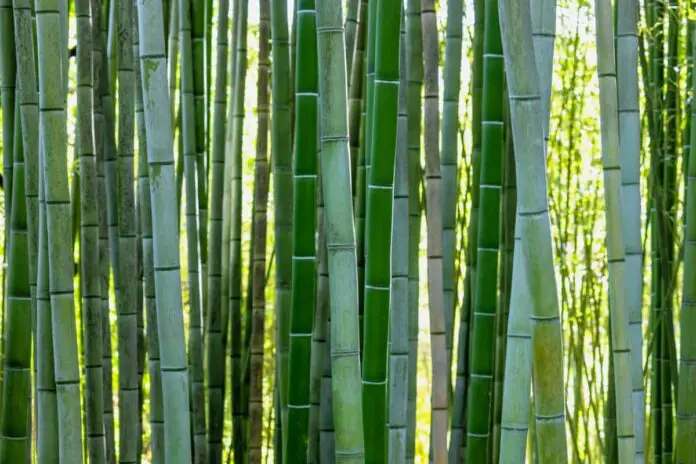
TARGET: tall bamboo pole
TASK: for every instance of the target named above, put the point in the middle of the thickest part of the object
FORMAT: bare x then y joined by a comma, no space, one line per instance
340,235
615,239
165,240
52,131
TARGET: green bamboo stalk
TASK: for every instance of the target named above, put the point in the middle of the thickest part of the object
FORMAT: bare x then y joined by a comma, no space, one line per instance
16,385
216,356
52,127
439,400
528,126
8,76
350,30
340,237
165,239
125,214
363,163
200,70
509,212
28,100
172,55
47,441
414,75
99,75
629,128
258,264
319,352
189,129
303,291
488,244
90,281
686,410
356,102
156,418
227,179
615,240
327,442
448,160
281,146
379,203
398,316
235,267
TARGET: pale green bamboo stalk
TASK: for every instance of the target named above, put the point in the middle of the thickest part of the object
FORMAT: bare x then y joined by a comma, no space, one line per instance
156,418
439,400
629,130
527,108
46,398
165,238
399,316
340,235
606,68
52,129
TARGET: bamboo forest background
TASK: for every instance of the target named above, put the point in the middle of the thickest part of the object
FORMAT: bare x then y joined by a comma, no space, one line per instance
241,114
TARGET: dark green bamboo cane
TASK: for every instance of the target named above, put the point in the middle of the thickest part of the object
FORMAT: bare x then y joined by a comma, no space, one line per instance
303,291
216,356
448,159
356,101
258,261
27,98
235,267
350,28
281,145
414,76
8,75
127,281
379,203
340,239
99,74
189,133
485,300
90,281
200,70
686,409
16,382
319,352
165,239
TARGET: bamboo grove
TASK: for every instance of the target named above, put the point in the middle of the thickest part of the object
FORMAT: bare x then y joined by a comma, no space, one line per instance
351,231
